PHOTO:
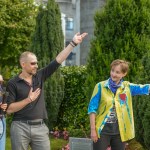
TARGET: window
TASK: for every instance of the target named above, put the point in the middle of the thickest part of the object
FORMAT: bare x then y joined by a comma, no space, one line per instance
69,23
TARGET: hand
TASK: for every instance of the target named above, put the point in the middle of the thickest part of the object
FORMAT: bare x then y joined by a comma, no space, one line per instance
3,106
33,95
79,37
94,136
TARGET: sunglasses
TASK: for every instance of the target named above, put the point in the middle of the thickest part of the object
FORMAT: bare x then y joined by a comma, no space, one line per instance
33,63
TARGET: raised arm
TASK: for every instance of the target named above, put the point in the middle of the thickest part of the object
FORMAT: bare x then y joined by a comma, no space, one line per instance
77,39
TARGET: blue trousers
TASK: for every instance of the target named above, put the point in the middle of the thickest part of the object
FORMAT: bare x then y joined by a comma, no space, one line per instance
2,133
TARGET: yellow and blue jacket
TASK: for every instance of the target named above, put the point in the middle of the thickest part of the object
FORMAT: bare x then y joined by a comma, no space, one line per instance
102,102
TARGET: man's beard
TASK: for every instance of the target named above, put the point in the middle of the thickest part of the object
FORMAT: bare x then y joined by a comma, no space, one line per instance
31,73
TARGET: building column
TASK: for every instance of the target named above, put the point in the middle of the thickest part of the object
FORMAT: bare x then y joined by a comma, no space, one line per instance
76,8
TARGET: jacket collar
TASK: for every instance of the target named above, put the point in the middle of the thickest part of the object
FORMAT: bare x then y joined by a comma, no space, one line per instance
106,84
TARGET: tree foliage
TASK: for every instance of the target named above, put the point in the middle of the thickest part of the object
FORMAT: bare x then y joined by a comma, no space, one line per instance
73,110
121,32
17,21
47,42
142,106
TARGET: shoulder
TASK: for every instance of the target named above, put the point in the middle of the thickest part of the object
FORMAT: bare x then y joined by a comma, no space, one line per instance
13,80
104,83
98,84
126,83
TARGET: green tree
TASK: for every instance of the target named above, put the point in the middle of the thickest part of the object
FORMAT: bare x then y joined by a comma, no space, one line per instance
73,110
122,31
17,21
146,123
142,106
47,42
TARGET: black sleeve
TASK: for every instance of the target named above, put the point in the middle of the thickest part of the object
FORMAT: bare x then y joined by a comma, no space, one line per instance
49,70
11,93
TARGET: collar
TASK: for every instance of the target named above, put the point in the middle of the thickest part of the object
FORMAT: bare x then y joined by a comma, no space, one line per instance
20,79
106,84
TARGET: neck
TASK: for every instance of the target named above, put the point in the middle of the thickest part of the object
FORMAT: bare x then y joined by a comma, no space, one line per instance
25,75
117,82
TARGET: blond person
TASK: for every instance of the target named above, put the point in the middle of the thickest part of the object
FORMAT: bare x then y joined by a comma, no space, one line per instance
110,109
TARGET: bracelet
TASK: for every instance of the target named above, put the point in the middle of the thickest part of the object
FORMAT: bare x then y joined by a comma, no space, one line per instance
75,44
72,44
30,99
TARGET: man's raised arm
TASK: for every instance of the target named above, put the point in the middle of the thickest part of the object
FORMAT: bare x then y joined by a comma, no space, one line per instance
77,39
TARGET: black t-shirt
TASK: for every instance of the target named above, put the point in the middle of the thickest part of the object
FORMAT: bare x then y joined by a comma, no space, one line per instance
18,90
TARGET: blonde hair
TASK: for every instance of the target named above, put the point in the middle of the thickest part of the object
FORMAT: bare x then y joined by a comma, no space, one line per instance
124,65
24,56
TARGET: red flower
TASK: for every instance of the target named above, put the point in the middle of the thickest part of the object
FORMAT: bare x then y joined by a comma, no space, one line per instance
123,96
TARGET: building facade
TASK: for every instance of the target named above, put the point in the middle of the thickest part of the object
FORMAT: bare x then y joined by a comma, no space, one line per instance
78,16
82,14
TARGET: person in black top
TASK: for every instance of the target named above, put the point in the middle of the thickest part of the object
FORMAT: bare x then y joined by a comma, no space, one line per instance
26,100
3,107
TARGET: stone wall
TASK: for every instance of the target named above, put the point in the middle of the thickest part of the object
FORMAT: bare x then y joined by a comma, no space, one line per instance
87,11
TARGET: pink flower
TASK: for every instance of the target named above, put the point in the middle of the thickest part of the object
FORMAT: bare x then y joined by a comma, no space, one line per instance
66,135
56,134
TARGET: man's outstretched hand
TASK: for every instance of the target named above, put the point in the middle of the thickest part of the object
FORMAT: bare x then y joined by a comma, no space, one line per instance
79,37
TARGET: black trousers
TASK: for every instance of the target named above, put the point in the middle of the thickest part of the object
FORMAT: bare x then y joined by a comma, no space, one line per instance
105,140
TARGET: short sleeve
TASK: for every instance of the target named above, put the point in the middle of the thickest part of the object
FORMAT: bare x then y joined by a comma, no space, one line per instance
11,92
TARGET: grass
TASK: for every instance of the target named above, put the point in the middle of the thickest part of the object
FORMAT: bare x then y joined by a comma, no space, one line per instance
56,144
134,145
8,145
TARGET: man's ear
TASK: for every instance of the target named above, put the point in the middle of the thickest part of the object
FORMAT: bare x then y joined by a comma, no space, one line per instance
22,64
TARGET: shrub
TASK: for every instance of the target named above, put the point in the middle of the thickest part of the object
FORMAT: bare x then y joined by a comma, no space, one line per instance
73,109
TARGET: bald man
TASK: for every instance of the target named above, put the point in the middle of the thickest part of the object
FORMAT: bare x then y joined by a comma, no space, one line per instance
26,100
3,107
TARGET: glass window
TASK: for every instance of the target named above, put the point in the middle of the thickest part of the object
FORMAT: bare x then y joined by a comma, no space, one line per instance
69,23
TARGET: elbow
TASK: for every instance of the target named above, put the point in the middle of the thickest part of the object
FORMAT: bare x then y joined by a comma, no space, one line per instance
92,114
59,60
9,111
